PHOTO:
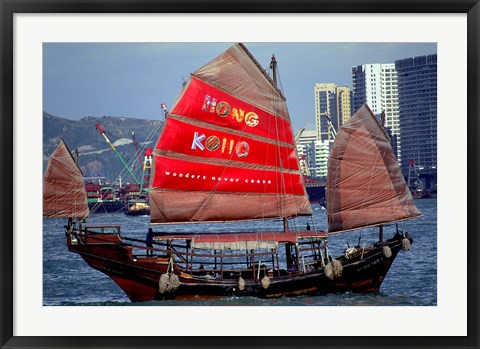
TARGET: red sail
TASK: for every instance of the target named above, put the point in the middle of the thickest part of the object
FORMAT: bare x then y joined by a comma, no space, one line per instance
227,150
365,186
64,192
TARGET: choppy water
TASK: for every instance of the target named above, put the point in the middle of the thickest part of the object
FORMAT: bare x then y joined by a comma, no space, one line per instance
411,281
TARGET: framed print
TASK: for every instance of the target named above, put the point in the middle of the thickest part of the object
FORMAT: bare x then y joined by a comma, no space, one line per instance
197,77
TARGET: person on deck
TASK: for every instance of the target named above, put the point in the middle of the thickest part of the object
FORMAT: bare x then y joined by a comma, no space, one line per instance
149,242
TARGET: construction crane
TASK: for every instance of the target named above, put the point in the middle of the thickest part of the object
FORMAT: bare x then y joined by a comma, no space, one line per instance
102,132
299,134
302,160
333,132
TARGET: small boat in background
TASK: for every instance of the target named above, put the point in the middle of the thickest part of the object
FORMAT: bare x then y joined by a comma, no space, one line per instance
137,206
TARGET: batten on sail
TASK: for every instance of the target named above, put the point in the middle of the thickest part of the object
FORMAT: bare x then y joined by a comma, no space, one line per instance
227,151
64,194
365,186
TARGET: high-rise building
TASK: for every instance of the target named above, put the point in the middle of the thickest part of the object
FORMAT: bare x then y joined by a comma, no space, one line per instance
332,101
322,151
376,85
417,89
306,151
313,154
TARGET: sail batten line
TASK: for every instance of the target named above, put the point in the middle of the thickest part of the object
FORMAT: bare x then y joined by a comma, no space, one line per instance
219,221
221,162
266,194
370,225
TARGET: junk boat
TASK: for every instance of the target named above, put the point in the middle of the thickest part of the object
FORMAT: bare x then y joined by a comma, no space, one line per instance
227,153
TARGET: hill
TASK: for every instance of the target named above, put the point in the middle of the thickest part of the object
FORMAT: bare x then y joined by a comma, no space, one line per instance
96,158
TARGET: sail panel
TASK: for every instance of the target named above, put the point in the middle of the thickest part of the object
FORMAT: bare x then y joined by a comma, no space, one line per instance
365,185
192,176
64,194
170,206
184,138
207,103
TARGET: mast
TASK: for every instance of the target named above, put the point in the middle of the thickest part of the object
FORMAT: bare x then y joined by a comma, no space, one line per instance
273,66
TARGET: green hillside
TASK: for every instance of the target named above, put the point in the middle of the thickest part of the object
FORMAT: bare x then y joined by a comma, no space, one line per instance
96,158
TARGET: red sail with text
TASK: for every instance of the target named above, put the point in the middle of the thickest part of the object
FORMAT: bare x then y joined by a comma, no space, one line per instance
227,150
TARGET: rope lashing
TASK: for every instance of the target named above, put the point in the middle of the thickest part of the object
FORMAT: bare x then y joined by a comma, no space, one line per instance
387,252
329,271
334,269
349,252
241,284
266,282
168,282
337,268
163,283
173,283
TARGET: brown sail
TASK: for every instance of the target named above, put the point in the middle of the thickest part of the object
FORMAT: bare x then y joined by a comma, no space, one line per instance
365,186
227,151
64,194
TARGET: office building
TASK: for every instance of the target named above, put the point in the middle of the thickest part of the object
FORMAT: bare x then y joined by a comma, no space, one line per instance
334,102
417,95
376,85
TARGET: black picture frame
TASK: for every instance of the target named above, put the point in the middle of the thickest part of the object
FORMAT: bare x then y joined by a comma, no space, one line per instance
10,7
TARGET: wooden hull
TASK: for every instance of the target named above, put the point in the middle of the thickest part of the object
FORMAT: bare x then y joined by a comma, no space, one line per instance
139,277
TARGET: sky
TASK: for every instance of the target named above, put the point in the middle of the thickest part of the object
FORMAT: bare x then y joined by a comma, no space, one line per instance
134,79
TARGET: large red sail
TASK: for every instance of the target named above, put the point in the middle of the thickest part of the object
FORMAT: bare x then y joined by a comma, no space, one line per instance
365,186
227,150
64,192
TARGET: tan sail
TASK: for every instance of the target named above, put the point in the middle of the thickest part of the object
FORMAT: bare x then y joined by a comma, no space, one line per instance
64,194
365,186
227,151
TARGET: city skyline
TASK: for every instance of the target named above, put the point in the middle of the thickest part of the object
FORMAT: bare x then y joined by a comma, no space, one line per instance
133,79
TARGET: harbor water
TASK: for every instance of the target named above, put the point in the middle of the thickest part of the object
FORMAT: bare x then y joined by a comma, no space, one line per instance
411,281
